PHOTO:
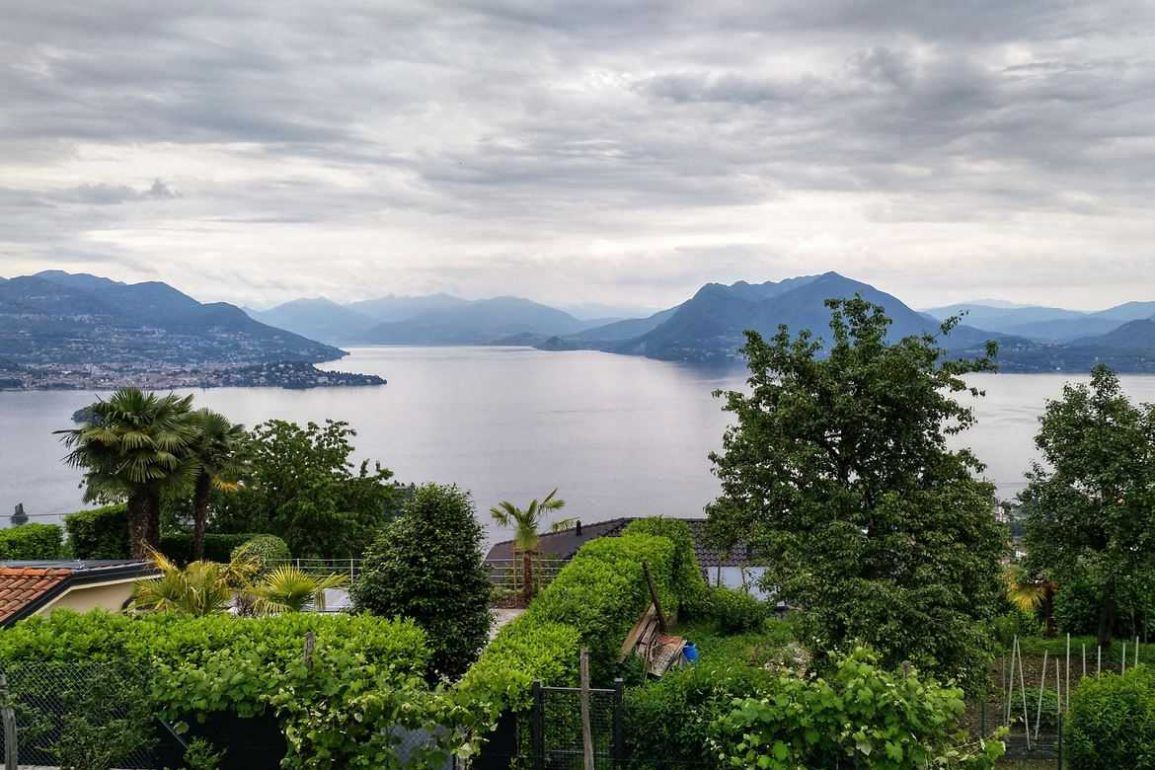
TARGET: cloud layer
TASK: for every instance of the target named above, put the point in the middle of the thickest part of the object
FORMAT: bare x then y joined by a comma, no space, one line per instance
620,152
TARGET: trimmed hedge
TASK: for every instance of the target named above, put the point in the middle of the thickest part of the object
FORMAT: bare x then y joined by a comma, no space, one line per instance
31,542
593,602
99,533
366,675
688,582
736,611
265,549
219,547
1111,724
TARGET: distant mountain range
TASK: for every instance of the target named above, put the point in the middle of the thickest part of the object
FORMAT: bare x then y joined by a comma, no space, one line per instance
60,329
59,320
1046,324
437,319
711,325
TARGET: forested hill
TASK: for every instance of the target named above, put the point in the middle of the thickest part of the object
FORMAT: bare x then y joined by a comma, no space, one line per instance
57,318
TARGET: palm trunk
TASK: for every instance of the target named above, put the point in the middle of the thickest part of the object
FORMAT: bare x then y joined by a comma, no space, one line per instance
154,520
527,574
201,493
138,524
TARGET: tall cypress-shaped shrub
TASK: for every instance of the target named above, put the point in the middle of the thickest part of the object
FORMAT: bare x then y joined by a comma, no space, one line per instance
427,565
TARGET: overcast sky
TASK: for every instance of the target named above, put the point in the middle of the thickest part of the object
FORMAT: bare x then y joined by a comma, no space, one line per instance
583,151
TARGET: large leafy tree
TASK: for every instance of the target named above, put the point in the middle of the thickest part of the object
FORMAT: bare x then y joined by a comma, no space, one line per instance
427,565
837,473
134,446
214,453
298,482
527,524
1090,505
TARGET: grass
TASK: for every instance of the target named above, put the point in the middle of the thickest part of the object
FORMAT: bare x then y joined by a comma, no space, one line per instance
753,648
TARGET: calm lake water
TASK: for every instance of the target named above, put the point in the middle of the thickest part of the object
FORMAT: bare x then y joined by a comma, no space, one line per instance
618,435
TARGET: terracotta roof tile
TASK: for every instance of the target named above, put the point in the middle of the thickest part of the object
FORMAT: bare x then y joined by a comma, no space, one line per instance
20,586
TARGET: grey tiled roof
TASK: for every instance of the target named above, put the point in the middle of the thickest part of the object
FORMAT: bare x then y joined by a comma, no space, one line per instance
565,543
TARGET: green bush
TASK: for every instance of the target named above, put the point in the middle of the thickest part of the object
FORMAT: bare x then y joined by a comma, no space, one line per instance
427,565
688,581
1111,723
861,716
99,533
219,547
736,611
264,549
1079,602
31,542
669,723
364,676
593,602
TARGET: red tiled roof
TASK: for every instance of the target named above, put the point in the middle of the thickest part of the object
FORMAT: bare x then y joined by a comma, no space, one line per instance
20,586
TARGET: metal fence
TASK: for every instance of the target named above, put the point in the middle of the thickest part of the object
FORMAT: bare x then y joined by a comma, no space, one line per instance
509,574
81,715
504,574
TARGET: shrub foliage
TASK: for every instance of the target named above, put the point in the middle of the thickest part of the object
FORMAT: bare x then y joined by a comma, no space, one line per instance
31,542
99,533
1111,723
427,565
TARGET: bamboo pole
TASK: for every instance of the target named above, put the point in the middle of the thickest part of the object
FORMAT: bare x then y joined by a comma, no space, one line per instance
1067,684
1042,683
1023,687
1084,658
1099,661
1011,682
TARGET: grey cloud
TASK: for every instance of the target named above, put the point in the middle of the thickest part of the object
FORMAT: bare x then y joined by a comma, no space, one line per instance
518,136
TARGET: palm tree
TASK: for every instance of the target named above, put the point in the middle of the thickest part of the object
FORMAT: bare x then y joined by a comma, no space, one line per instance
201,588
290,589
213,451
526,533
209,588
135,445
1031,594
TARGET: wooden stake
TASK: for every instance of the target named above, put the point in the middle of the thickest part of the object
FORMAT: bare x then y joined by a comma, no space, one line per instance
654,596
587,732
1011,682
1099,661
1084,659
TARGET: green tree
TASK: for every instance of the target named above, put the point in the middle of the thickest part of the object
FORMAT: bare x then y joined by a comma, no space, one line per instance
837,474
214,453
1090,505
427,565
526,523
299,483
134,447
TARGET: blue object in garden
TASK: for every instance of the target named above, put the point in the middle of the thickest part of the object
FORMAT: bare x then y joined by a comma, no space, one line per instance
690,651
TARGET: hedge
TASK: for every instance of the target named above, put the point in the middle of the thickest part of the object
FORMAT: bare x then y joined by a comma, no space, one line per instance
31,542
266,550
219,547
366,673
99,533
1111,723
688,581
593,602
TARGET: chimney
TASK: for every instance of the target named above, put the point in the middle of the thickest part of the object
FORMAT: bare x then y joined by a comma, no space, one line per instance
19,517
578,528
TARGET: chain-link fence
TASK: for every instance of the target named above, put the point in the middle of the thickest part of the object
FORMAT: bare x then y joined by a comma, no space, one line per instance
81,715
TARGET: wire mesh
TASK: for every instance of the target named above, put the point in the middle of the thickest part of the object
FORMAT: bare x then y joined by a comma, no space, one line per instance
556,735
82,715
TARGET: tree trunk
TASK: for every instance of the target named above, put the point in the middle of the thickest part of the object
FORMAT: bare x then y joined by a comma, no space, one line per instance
1107,619
138,524
527,574
1049,609
201,493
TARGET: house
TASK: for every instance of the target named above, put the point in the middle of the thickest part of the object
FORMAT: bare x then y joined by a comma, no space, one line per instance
732,568
30,588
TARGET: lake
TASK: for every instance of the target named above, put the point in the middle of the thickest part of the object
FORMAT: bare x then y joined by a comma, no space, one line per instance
618,435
